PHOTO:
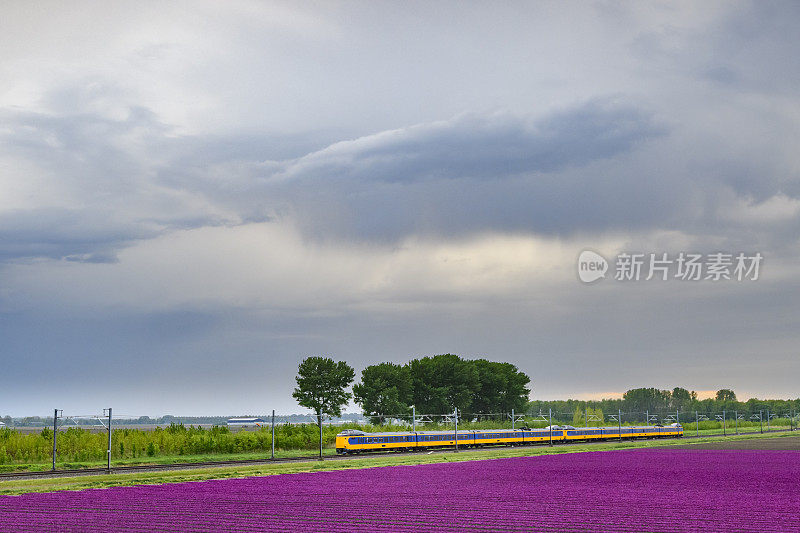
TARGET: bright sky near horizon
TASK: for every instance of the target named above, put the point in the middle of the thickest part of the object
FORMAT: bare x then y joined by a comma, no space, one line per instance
196,195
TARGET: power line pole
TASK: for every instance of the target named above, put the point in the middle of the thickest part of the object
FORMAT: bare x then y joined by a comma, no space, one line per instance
550,417
55,431
723,424
768,428
414,418
619,423
761,420
736,418
455,416
273,434
697,423
108,465
319,418
513,421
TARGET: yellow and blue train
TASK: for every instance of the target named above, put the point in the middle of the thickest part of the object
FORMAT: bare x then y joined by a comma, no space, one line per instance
354,441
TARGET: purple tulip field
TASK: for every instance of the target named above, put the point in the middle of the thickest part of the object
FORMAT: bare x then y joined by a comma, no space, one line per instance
636,490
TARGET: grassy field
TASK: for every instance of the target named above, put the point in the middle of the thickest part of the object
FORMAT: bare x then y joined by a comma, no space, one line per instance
139,478
167,459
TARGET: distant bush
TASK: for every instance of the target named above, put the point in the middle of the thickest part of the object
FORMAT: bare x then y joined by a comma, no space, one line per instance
80,445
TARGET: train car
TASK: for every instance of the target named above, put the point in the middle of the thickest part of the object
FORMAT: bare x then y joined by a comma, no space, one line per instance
532,436
495,437
628,432
437,439
354,441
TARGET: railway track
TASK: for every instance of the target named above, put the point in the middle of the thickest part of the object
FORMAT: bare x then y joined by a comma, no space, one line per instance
244,462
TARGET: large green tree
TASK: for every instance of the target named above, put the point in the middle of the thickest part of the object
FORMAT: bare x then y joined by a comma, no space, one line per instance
385,389
726,395
443,382
639,401
321,387
501,388
682,399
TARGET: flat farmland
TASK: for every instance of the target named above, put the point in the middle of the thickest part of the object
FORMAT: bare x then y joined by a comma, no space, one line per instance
782,443
627,490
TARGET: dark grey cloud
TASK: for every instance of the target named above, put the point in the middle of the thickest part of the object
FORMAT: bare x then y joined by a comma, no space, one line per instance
470,174
590,169
56,233
584,169
101,179
482,147
747,51
132,178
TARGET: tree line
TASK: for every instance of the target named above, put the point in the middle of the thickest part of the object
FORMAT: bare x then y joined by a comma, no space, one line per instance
636,402
433,385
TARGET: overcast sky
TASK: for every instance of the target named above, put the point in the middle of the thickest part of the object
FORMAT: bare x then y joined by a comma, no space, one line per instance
195,196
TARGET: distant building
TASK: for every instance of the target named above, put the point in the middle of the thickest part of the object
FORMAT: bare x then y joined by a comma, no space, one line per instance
245,422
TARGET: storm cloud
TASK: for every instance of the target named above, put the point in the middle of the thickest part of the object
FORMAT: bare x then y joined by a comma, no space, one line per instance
189,189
